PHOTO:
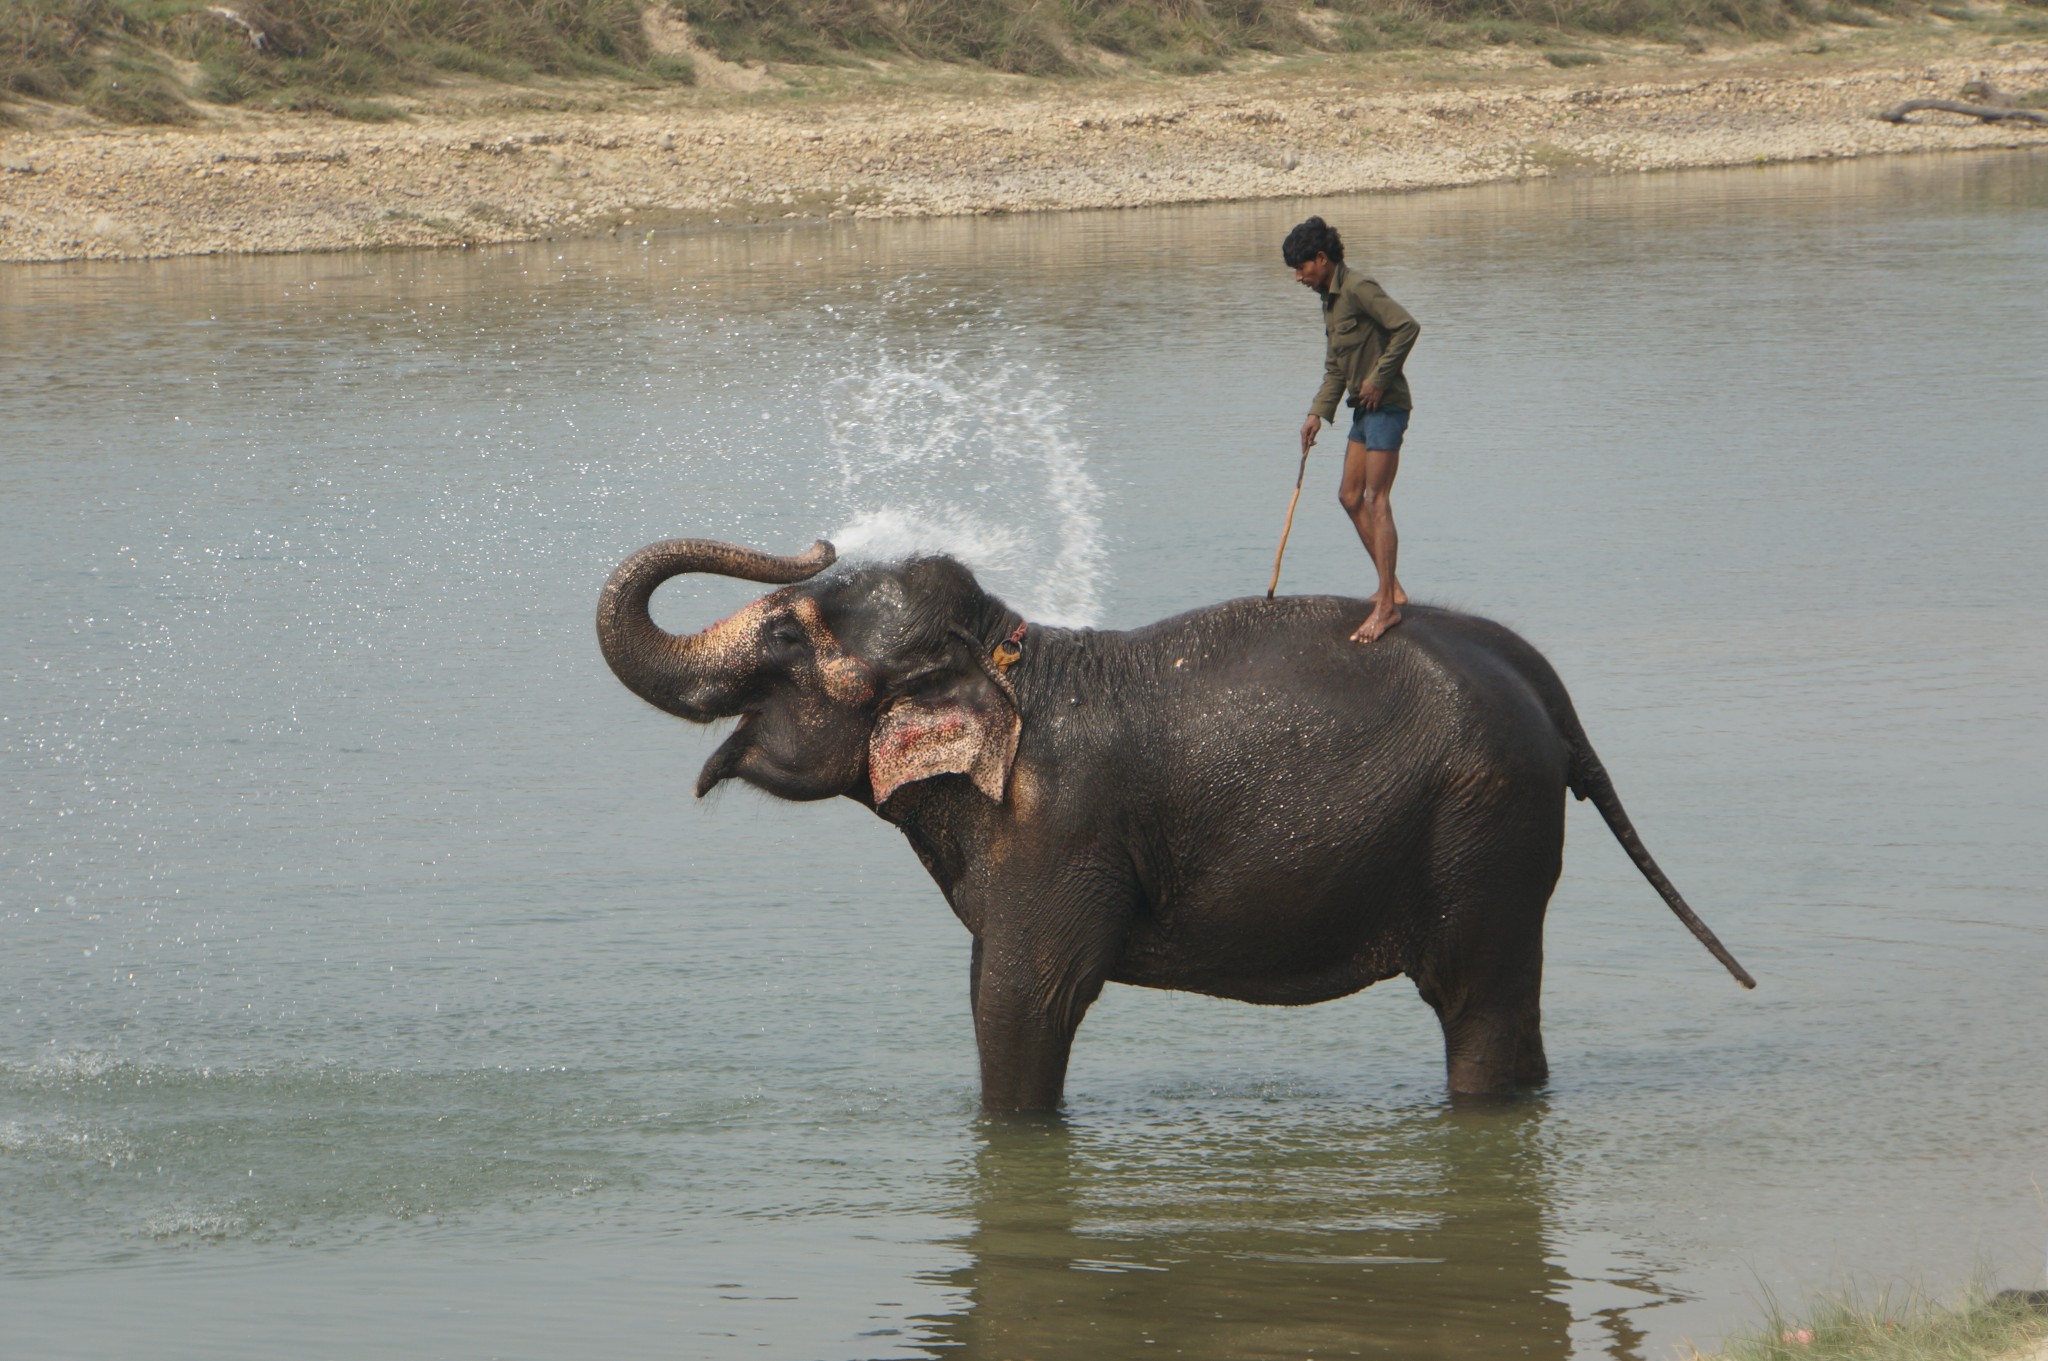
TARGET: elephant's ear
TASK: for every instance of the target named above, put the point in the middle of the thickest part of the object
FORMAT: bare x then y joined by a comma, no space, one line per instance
953,721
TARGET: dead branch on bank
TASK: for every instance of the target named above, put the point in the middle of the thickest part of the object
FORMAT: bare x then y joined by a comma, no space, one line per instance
1990,113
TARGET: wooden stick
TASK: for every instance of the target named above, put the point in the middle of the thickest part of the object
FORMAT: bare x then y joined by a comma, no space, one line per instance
1288,528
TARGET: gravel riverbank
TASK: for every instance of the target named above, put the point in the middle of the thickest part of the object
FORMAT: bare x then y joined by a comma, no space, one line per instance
482,168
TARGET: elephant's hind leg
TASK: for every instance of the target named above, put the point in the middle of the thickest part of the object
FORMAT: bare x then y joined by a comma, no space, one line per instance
1483,971
1493,1038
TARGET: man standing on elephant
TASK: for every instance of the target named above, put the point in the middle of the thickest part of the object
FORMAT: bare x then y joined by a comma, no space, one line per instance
1369,336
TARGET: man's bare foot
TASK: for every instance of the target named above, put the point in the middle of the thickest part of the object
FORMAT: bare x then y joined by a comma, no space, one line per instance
1400,596
1382,618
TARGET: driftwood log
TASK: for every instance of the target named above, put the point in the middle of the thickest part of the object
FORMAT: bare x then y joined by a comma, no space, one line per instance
1990,113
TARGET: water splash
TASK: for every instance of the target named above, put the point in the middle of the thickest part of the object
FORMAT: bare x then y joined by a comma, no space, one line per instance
935,455
197,1223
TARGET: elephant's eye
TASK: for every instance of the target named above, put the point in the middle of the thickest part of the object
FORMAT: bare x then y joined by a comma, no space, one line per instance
785,635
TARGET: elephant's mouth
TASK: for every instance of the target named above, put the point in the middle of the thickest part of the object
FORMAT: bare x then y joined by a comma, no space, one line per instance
725,762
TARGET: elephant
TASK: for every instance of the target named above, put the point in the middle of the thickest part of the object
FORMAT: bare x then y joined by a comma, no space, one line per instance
1237,801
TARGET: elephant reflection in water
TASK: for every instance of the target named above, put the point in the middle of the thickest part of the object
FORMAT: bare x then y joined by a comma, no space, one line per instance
1430,1241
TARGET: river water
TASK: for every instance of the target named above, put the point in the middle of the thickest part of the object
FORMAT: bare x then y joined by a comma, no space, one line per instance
371,986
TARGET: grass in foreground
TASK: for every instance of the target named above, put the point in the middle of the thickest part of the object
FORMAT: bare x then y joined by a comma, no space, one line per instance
1912,1328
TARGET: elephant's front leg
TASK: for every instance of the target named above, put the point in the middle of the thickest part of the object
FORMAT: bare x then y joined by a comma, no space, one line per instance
1033,981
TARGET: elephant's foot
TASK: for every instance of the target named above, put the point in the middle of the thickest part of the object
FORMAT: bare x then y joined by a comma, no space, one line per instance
1488,1082
1492,1061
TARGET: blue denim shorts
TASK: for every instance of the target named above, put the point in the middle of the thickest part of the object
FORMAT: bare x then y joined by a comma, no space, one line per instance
1382,429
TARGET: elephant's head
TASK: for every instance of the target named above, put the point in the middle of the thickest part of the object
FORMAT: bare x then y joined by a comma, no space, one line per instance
855,683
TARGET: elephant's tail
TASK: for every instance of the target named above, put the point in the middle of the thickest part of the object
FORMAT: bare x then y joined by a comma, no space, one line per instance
1589,780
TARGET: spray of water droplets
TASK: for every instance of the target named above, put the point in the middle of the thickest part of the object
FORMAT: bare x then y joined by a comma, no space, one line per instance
937,454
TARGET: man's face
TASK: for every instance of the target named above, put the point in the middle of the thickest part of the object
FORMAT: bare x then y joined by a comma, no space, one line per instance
1315,272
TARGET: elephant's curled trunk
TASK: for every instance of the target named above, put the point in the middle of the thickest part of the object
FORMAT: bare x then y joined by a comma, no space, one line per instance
660,666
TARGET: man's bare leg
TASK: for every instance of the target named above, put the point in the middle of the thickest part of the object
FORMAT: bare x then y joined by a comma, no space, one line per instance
1368,484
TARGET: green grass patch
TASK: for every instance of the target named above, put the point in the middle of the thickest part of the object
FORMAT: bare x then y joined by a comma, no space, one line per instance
1907,1327
310,54
675,68
338,56
1058,36
132,92
803,30
443,54
312,99
1188,63
46,46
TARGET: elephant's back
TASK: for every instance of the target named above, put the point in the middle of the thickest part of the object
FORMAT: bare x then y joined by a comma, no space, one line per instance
1442,660
1304,778
1266,702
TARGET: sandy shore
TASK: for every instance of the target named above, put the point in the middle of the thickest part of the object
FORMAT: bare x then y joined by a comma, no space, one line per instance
484,165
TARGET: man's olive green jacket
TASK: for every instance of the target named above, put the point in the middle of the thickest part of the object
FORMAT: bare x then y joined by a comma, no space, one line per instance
1369,338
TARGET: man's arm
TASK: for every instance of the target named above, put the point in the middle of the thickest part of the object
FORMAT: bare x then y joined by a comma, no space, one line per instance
1401,330
1325,404
1324,407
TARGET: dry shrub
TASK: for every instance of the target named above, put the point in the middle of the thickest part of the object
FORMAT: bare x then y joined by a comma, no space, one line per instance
1652,17
1005,35
357,46
309,54
793,30
558,37
135,94
46,45
318,54
325,53
1036,37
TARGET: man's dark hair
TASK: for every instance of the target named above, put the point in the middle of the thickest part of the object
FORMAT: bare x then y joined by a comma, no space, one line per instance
1310,239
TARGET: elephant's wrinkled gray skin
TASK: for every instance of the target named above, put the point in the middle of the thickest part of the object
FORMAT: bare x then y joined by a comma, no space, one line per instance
1236,801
